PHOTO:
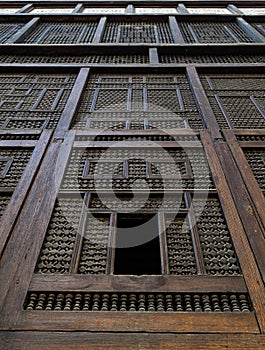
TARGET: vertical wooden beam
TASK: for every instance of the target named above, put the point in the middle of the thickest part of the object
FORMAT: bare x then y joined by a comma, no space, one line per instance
250,31
16,269
203,103
72,103
195,236
245,255
19,36
175,30
111,244
247,174
79,238
100,30
130,9
163,244
182,9
9,217
153,56
26,8
78,8
234,9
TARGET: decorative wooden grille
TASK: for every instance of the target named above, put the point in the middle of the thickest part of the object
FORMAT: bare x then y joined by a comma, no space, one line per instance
62,33
138,302
117,59
213,32
256,159
33,101
212,59
8,29
137,32
237,100
137,102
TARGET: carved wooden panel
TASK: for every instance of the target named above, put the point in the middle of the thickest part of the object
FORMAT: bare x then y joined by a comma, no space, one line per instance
137,102
33,101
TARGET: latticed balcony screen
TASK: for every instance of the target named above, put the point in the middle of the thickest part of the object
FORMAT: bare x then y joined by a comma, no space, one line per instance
137,102
137,32
8,29
33,101
213,32
62,33
238,101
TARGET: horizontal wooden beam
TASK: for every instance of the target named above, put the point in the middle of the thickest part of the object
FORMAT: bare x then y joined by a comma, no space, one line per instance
211,322
100,341
109,283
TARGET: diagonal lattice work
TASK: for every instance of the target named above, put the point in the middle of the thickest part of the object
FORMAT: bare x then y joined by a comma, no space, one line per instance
137,102
213,32
236,99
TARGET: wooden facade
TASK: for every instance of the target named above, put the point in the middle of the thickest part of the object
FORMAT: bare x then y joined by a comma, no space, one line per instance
132,174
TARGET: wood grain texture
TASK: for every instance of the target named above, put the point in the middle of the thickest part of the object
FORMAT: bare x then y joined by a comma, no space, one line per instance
246,172
202,102
8,219
137,283
24,340
139,321
133,341
247,260
17,265
72,103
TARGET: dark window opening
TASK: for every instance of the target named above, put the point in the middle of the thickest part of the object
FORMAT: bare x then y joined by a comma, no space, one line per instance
137,249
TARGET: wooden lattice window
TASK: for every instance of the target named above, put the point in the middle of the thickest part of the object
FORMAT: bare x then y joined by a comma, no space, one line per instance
8,29
237,100
76,264
33,101
63,33
213,32
137,32
137,102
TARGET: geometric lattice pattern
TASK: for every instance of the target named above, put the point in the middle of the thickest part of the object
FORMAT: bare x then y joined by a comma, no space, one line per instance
168,302
238,101
137,102
213,32
256,160
167,174
12,164
137,32
33,101
63,33
8,29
